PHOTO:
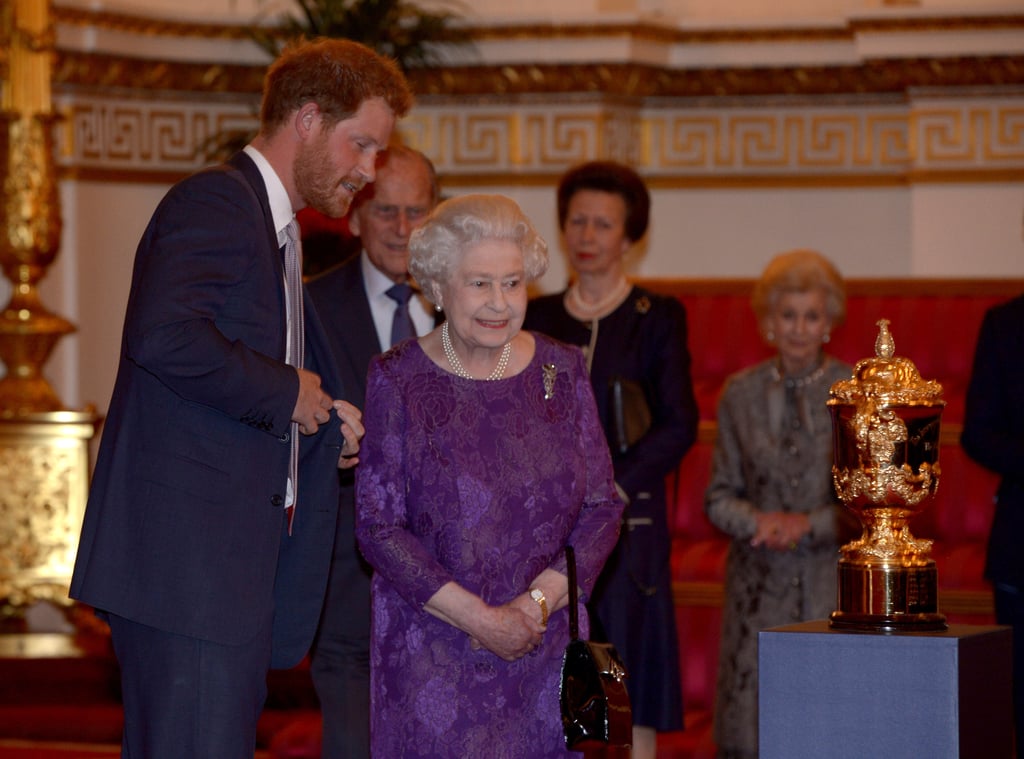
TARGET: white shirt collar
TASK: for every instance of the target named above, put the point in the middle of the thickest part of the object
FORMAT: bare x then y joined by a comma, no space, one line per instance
277,195
377,283
382,307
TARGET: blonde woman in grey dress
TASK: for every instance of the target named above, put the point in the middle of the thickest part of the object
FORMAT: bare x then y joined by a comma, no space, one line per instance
771,484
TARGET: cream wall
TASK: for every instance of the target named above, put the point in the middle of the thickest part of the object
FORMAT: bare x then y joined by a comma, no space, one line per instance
956,229
931,231
935,231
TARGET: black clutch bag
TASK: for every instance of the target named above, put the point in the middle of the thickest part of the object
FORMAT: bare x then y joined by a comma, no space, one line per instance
630,414
593,697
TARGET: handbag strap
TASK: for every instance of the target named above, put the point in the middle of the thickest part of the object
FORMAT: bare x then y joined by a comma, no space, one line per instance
574,614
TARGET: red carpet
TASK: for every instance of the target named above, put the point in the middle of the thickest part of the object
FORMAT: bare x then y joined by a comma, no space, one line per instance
47,750
32,750
60,699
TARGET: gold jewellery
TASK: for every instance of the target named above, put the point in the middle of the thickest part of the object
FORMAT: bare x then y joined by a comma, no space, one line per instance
538,595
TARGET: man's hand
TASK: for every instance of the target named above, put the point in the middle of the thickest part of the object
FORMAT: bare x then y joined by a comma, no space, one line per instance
313,406
352,430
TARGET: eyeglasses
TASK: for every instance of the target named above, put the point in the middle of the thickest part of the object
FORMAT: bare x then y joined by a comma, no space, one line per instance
384,213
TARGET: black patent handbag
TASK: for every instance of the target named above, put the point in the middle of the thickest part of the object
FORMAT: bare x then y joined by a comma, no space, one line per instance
593,697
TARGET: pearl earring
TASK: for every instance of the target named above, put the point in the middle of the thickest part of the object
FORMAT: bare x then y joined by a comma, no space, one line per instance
437,307
769,336
826,338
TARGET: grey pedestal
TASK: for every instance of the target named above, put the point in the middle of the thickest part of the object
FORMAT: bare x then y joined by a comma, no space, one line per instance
850,695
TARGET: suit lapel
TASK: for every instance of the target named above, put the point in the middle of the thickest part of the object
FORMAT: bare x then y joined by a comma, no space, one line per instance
249,171
249,176
353,309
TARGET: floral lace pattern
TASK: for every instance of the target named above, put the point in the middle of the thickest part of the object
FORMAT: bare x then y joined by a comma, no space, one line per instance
483,483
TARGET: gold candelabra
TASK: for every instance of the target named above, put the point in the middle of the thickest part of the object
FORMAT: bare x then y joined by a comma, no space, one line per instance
43,446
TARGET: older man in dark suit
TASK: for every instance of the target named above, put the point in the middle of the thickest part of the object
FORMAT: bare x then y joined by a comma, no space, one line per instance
202,545
357,303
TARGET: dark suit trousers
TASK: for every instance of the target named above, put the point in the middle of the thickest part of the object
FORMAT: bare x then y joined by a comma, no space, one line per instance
340,663
189,697
1010,611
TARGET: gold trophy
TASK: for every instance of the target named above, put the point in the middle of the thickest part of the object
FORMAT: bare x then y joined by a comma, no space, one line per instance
885,428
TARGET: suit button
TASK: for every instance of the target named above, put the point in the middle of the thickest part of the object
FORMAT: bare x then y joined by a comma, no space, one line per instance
276,500
285,437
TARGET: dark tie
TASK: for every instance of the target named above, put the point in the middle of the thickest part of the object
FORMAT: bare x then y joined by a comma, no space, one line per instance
401,326
296,341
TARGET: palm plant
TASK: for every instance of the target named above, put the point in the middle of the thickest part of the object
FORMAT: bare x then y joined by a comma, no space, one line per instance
399,29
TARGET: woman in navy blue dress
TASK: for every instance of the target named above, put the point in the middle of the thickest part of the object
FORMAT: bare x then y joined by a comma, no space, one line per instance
635,344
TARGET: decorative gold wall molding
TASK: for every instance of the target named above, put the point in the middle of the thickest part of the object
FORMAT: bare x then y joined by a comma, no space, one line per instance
881,121
81,71
842,144
639,30
146,25
771,140
164,136
634,80
968,136
76,70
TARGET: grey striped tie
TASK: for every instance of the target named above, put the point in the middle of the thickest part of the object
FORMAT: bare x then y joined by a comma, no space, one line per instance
296,342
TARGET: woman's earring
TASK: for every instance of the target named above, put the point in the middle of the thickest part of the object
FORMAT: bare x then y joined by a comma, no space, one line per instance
826,338
769,336
437,307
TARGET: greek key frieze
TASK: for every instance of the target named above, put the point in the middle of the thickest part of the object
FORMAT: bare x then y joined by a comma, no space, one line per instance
144,136
672,143
969,136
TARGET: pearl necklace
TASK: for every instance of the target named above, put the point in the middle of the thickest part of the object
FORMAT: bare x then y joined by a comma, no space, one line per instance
584,311
799,382
459,369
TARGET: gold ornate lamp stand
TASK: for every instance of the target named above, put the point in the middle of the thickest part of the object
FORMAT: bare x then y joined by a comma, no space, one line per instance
44,448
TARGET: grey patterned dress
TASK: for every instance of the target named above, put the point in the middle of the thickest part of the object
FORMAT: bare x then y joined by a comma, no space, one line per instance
773,453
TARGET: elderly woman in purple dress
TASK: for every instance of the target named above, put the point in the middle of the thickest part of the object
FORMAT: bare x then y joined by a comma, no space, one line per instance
483,458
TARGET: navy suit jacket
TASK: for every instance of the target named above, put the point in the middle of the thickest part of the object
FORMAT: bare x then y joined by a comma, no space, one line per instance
339,296
183,527
993,432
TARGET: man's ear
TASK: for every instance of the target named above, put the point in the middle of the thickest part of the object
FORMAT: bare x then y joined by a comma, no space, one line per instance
353,222
306,119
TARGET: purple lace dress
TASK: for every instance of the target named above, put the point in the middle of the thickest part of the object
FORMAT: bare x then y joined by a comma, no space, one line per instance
483,483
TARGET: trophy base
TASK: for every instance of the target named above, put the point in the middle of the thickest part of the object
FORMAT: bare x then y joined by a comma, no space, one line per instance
880,623
883,598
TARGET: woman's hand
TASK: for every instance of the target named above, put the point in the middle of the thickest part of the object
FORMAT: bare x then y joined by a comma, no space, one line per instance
780,530
507,631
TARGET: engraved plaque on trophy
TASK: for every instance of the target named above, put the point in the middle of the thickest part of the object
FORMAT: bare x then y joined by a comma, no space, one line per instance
885,427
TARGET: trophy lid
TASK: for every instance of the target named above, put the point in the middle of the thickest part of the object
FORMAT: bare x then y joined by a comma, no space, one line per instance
888,380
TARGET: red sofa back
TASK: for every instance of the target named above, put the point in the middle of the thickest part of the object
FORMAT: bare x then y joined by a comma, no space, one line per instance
934,323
